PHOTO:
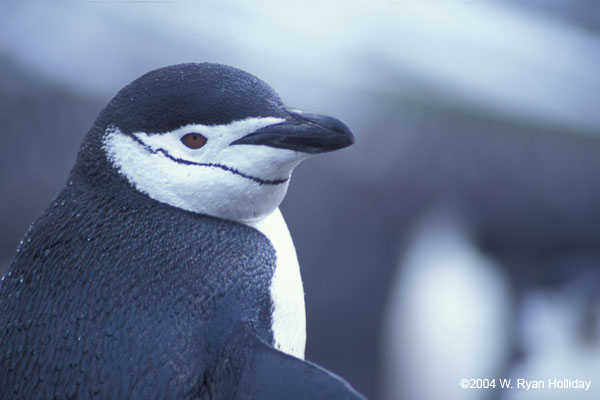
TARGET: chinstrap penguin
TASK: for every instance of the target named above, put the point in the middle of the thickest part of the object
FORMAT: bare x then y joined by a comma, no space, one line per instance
164,268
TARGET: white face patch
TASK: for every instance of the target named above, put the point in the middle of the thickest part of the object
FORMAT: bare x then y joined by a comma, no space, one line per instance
239,182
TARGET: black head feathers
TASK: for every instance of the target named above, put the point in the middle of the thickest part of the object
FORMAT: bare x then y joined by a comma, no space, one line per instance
210,94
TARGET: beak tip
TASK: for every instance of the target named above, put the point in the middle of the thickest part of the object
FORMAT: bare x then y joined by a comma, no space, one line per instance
339,135
302,132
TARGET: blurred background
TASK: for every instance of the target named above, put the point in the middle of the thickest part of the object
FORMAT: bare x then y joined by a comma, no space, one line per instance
458,238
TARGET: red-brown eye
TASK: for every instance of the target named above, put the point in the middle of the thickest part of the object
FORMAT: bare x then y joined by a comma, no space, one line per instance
193,140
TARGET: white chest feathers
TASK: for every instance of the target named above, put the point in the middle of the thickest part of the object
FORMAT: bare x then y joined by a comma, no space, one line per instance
289,316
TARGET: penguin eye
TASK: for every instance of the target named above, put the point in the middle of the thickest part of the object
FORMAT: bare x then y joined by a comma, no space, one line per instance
193,140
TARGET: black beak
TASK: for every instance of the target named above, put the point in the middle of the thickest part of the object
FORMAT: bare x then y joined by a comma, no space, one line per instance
304,132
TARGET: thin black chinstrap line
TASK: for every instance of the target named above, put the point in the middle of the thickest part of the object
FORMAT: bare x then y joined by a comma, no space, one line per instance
221,166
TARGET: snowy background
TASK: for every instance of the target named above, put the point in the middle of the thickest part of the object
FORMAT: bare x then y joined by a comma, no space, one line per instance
459,237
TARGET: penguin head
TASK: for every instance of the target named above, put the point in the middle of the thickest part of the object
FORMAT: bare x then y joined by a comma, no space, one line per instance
210,139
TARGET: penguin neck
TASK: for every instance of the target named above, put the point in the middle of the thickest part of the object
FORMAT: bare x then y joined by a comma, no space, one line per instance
269,225
288,319
252,207
259,206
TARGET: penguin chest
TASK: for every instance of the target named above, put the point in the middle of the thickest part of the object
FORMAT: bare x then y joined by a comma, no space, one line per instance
288,319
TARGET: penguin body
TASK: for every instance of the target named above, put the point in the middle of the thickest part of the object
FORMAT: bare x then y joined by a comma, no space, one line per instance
164,268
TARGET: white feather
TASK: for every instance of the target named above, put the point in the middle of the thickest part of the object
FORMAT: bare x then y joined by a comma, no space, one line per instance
289,316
